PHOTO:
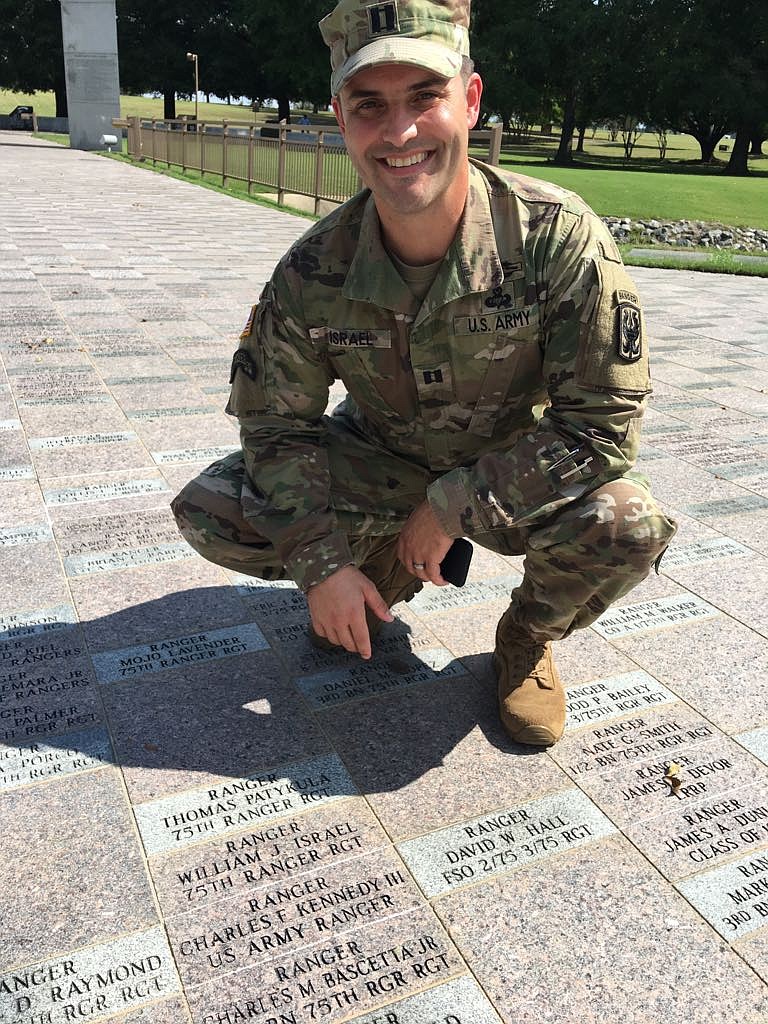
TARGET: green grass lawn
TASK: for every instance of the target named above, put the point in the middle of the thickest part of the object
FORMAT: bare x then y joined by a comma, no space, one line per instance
742,202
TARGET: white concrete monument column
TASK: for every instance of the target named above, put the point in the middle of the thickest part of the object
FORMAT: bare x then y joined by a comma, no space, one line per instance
90,63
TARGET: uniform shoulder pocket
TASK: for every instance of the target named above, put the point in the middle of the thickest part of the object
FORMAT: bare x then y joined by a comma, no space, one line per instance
246,377
613,345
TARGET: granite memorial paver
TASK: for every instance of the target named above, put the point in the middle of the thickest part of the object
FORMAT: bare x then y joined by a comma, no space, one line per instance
206,820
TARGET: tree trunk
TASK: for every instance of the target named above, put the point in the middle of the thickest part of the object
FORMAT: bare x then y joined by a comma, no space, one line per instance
738,165
756,144
283,109
60,91
582,133
707,138
565,149
169,103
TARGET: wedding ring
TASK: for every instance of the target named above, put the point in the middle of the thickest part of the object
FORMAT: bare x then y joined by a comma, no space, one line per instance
419,565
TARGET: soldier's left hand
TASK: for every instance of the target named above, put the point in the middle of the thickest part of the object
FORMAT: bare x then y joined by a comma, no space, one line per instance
423,544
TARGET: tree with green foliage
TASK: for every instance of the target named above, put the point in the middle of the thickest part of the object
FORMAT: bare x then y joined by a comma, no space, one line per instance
513,87
279,52
153,42
32,49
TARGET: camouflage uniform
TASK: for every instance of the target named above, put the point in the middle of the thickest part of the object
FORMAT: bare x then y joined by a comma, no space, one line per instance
510,398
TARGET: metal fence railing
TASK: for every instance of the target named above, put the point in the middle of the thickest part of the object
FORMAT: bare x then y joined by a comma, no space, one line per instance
305,160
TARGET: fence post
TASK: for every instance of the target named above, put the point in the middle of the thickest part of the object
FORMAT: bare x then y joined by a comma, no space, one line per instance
152,136
494,146
183,146
224,156
282,129
319,160
249,173
134,137
202,152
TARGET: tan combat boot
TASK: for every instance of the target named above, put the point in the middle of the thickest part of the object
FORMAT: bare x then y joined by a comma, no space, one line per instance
393,581
531,696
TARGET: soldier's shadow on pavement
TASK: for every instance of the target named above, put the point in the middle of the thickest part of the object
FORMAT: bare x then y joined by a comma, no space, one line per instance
173,705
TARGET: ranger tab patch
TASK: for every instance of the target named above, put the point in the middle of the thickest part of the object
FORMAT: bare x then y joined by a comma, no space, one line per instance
243,360
630,339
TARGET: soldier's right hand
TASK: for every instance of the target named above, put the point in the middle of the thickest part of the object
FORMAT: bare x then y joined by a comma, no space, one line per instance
337,606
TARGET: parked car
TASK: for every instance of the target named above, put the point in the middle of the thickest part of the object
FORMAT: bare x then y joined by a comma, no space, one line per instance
16,120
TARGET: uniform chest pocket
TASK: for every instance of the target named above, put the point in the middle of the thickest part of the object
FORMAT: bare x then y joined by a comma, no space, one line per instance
513,376
374,371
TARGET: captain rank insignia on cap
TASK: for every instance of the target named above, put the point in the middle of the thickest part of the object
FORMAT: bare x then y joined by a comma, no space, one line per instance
383,18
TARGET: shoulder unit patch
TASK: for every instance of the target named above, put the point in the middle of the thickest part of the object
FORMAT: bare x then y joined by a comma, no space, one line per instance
630,340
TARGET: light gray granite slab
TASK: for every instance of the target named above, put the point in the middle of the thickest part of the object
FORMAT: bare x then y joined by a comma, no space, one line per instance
82,565
18,535
36,762
42,620
662,613
44,444
734,897
460,1001
441,599
195,454
494,844
104,492
757,741
93,983
603,699
130,662
174,822
701,551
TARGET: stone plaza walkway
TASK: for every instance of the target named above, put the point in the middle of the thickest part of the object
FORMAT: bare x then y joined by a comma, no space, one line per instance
204,820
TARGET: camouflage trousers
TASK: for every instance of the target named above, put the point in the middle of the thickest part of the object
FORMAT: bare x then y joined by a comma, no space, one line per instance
577,562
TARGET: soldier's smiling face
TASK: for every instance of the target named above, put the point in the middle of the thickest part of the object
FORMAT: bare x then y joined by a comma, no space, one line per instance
406,131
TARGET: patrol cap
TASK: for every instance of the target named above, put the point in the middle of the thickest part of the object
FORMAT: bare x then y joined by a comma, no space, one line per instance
432,34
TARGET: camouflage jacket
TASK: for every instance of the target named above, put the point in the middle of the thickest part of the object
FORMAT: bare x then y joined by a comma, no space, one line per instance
519,382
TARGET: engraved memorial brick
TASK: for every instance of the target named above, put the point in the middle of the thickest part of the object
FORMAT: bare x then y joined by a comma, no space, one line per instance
93,983
356,971
734,897
173,822
130,662
498,842
394,672
39,761
604,699
663,613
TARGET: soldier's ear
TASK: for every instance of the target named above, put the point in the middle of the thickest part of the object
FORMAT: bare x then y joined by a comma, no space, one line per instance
336,104
474,92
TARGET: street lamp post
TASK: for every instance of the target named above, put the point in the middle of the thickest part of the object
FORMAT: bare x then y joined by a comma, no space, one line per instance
193,58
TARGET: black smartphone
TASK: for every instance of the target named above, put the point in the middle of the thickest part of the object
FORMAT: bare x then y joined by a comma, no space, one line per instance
455,566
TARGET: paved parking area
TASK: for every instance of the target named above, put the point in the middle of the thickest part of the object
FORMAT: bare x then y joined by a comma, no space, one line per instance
204,820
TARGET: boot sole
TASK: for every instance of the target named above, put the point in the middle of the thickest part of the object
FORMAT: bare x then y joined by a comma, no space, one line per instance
535,736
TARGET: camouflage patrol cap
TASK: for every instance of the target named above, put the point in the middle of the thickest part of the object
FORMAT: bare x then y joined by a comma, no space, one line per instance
432,34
